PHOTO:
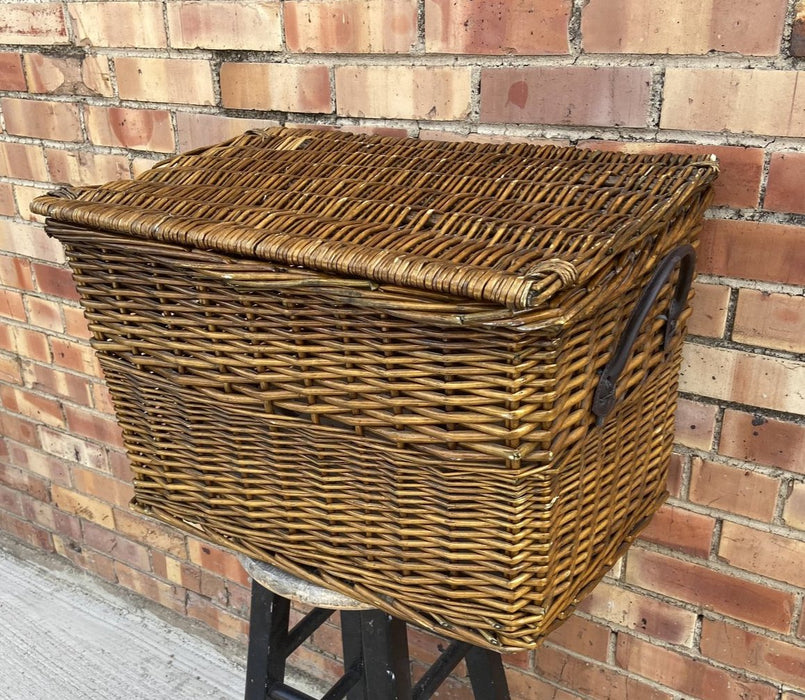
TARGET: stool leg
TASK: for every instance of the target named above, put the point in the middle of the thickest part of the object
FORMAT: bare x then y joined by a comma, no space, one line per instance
487,676
268,628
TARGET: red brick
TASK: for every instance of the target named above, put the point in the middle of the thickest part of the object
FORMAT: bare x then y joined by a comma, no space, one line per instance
81,167
25,482
11,76
40,463
789,695
50,518
734,100
592,679
583,637
683,27
797,47
85,507
102,399
794,512
15,272
202,609
709,317
121,24
225,25
639,612
12,305
138,129
767,441
23,161
770,320
113,545
209,557
276,86
33,23
69,386
25,531
55,281
60,76
176,571
681,530
146,585
28,344
119,465
7,205
183,81
150,532
401,92
740,168
767,252
739,491
93,425
14,427
693,677
44,313
784,189
497,27
27,403
526,685
73,449
10,369
712,590
75,324
772,556
87,559
572,95
29,240
11,501
71,355
767,657
24,195
351,26
98,484
747,378
43,119
196,130
695,424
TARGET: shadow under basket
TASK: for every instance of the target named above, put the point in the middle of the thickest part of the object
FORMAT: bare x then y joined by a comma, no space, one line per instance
438,378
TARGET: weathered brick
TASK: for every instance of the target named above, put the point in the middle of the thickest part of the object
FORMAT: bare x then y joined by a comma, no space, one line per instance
209,557
23,161
583,637
571,95
74,356
44,313
150,532
681,530
25,531
67,76
93,425
121,24
200,608
100,485
11,76
102,399
712,590
10,373
24,195
18,428
34,460
770,320
797,47
753,250
794,511
87,559
754,380
763,553
765,656
83,167
43,119
693,677
225,25
351,26
8,206
21,480
683,27
176,571
138,129
734,100
28,344
112,544
195,130
650,616
709,317
55,281
419,92
732,489
140,164
784,188
75,324
767,441
146,585
592,679
184,81
35,406
85,507
695,424
72,448
15,272
33,23
276,86
497,27
12,305
527,685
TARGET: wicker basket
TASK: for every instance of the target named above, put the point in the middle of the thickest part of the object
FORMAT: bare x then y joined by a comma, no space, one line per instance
439,378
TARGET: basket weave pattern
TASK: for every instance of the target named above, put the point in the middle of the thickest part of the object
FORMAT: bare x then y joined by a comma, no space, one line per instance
371,361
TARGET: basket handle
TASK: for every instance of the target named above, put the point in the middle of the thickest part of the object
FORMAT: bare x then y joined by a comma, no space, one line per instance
685,257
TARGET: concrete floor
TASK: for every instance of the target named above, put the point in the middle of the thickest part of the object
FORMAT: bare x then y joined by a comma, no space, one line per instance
66,635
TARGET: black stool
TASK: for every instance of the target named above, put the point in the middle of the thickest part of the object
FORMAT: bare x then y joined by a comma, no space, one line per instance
375,646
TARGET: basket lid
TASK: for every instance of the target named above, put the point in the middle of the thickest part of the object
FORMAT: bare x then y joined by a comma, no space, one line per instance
507,224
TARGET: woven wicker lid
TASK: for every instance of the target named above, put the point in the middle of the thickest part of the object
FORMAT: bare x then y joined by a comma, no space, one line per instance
512,225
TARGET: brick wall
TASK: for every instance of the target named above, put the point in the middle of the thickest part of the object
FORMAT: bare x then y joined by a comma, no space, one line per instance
709,603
